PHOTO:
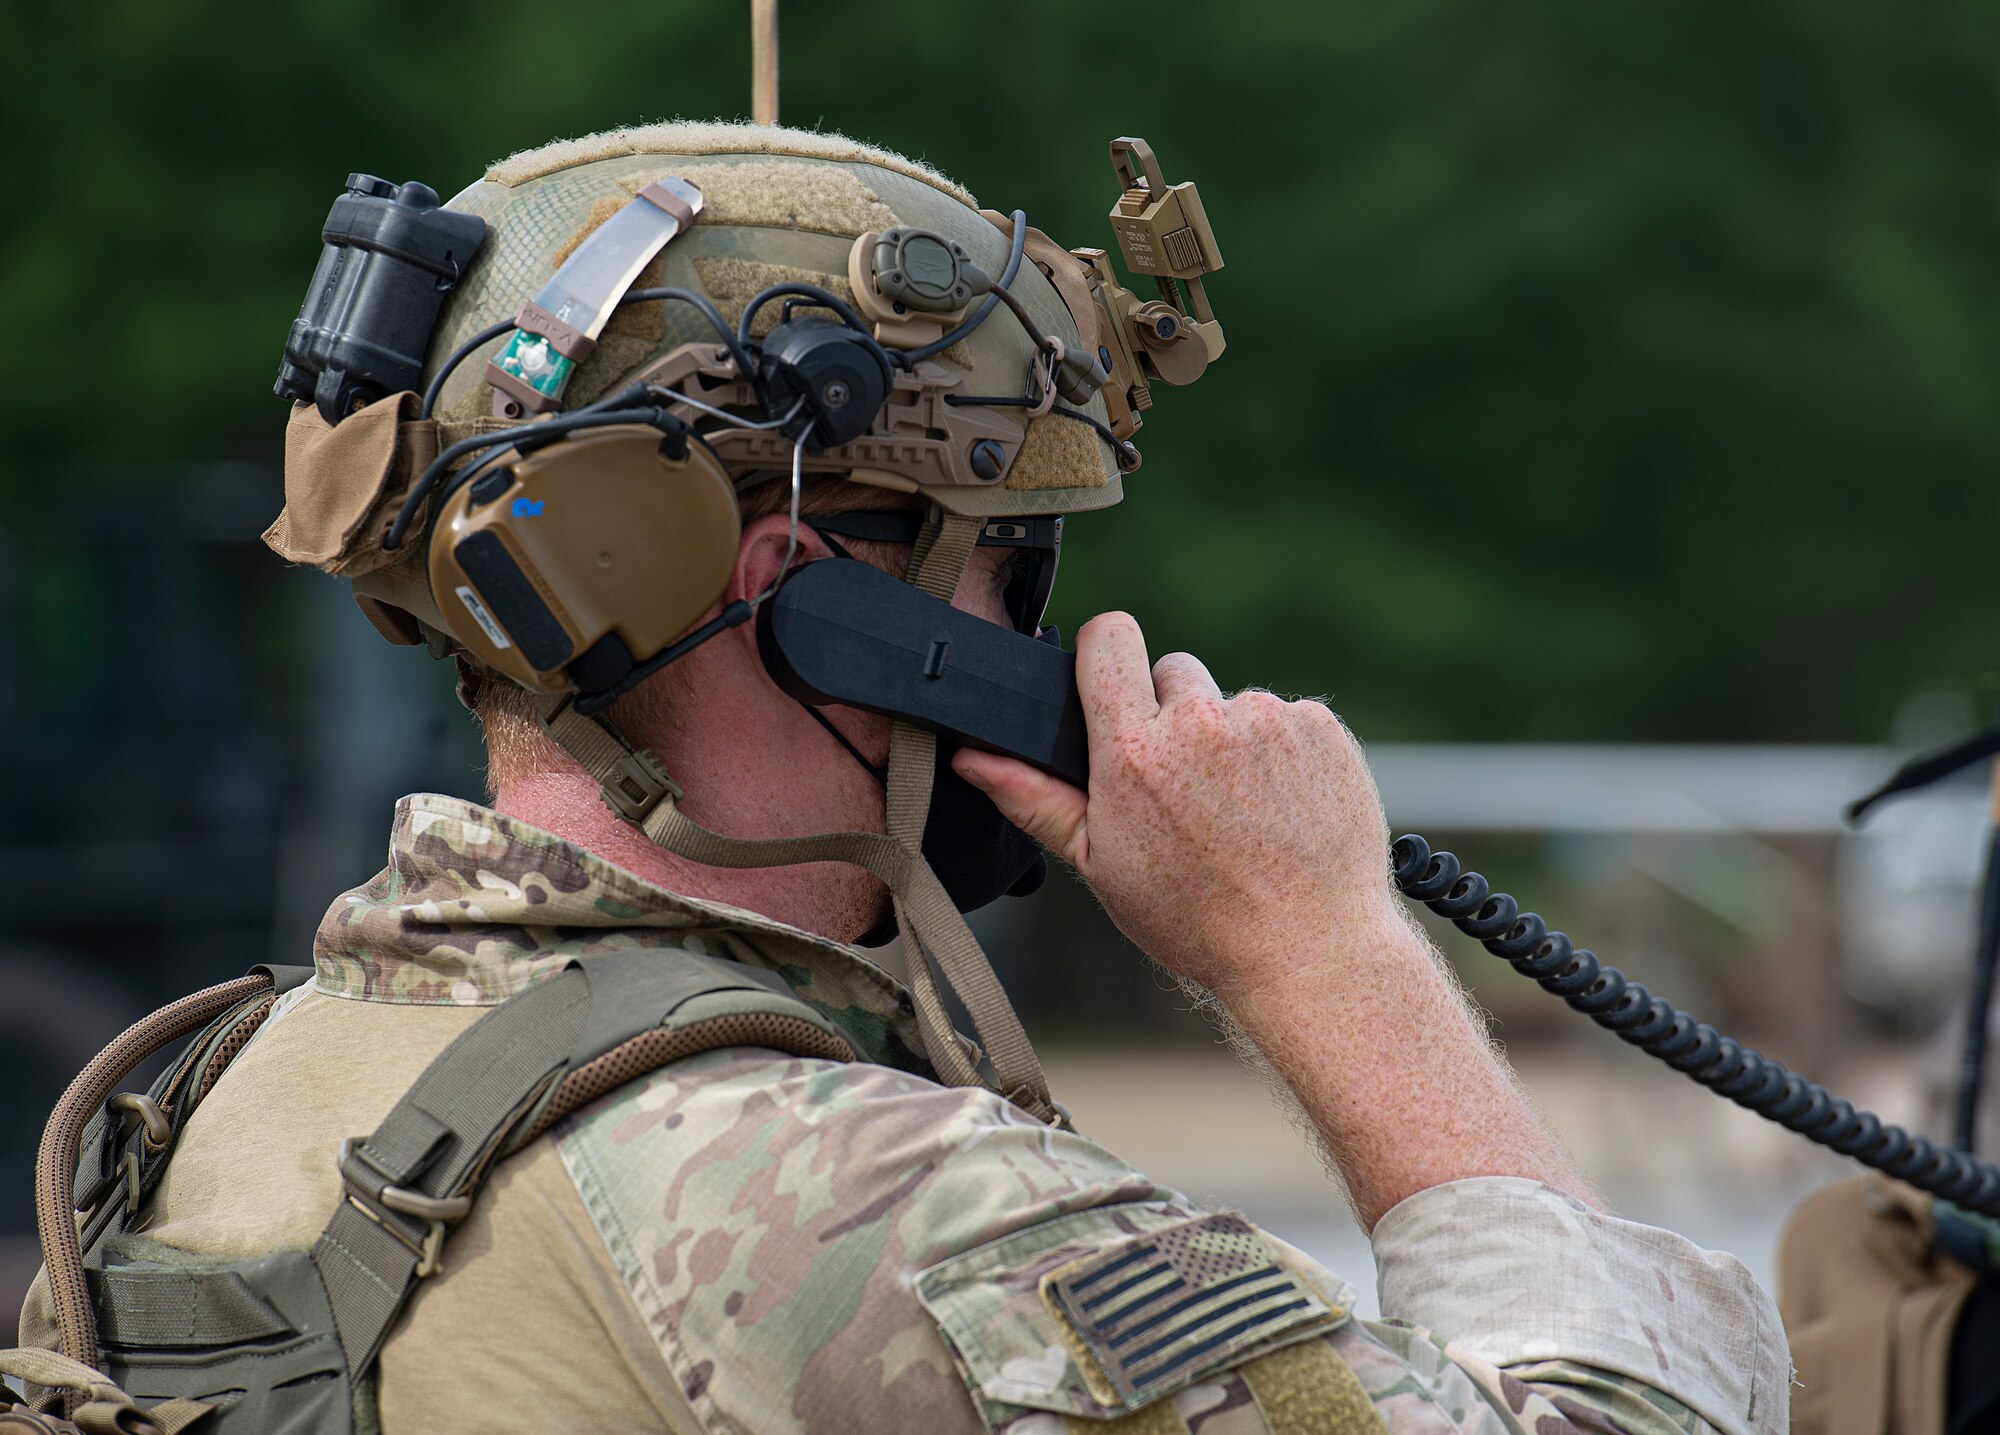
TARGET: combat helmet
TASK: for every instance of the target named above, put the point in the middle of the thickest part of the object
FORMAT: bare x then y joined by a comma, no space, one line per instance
534,459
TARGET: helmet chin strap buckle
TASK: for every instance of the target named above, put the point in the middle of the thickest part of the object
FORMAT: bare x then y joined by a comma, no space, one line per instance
637,784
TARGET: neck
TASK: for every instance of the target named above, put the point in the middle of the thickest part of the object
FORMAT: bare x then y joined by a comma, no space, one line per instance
828,900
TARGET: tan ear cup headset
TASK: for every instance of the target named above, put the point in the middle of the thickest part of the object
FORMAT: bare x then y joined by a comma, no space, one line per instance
575,551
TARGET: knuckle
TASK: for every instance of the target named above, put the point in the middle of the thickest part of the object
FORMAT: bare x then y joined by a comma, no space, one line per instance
1203,717
1260,707
1321,718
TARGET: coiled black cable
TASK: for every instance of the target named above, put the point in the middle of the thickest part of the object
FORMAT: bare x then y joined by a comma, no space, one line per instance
1695,1048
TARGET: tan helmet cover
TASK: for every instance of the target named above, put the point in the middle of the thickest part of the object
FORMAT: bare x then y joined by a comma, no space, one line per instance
781,205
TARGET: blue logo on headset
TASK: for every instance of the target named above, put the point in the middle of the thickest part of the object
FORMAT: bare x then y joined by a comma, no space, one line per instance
527,508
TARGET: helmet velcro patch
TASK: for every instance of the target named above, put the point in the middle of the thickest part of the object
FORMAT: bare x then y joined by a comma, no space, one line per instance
696,138
732,283
773,194
782,194
1058,453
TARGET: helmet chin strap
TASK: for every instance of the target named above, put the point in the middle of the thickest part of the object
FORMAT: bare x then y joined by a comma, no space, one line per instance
638,789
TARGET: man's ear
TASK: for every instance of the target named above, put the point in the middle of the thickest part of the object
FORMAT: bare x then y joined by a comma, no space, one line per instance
760,556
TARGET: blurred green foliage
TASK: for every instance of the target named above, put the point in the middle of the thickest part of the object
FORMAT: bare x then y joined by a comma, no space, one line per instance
1595,371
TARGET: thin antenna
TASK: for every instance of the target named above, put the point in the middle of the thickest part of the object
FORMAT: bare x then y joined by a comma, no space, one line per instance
764,61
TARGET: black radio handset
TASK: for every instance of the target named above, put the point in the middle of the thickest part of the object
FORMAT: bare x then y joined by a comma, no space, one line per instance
840,631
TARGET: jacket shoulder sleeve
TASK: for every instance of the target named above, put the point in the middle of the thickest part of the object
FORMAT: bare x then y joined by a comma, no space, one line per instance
1140,1322
769,1216
821,1247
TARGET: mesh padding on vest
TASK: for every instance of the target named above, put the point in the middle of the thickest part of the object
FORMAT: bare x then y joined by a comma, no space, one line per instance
230,1047
633,1059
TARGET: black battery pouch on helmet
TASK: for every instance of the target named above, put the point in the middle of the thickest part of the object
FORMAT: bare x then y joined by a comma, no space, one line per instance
841,631
390,258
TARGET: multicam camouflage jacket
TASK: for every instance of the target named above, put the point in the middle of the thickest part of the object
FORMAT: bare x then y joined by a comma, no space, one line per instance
748,1241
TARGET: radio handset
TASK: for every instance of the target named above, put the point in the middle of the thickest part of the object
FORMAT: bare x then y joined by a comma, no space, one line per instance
840,631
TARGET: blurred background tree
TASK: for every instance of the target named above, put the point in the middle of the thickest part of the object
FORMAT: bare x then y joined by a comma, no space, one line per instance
1594,372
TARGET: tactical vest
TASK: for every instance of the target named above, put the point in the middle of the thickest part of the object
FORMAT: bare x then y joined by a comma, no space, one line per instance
285,1343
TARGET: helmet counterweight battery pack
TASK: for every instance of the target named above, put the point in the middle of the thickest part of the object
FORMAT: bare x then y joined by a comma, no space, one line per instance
841,631
391,258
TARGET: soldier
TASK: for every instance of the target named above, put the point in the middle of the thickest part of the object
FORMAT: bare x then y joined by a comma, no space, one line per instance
1888,1291
863,1223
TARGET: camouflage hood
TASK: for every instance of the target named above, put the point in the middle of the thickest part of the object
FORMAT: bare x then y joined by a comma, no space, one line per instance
475,907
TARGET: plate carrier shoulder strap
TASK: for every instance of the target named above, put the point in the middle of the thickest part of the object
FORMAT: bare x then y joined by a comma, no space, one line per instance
288,1340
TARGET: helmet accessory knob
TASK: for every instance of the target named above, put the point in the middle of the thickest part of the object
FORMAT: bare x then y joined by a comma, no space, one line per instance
918,269
989,460
837,377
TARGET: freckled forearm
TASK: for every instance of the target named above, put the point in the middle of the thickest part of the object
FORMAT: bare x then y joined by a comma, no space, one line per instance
1393,1068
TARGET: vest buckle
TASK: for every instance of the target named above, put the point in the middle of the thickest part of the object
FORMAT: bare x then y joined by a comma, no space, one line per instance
375,1198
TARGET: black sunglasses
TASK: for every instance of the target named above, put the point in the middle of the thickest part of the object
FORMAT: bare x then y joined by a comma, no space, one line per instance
1037,541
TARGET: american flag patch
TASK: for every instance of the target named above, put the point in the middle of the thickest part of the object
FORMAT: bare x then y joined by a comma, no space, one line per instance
1160,1310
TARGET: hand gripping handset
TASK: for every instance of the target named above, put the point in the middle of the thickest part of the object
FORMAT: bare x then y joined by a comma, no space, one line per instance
839,631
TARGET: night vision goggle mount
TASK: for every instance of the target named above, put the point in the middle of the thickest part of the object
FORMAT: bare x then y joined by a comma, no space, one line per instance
572,549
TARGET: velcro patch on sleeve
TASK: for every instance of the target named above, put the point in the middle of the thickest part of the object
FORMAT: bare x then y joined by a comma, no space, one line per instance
1004,1309
1158,1310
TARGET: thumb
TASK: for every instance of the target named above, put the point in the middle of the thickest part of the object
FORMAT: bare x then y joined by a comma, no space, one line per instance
1046,808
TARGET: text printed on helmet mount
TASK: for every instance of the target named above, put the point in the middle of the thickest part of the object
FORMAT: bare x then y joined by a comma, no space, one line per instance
482,617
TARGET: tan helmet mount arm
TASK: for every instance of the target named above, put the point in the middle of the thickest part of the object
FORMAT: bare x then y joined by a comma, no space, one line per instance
638,788
1164,234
